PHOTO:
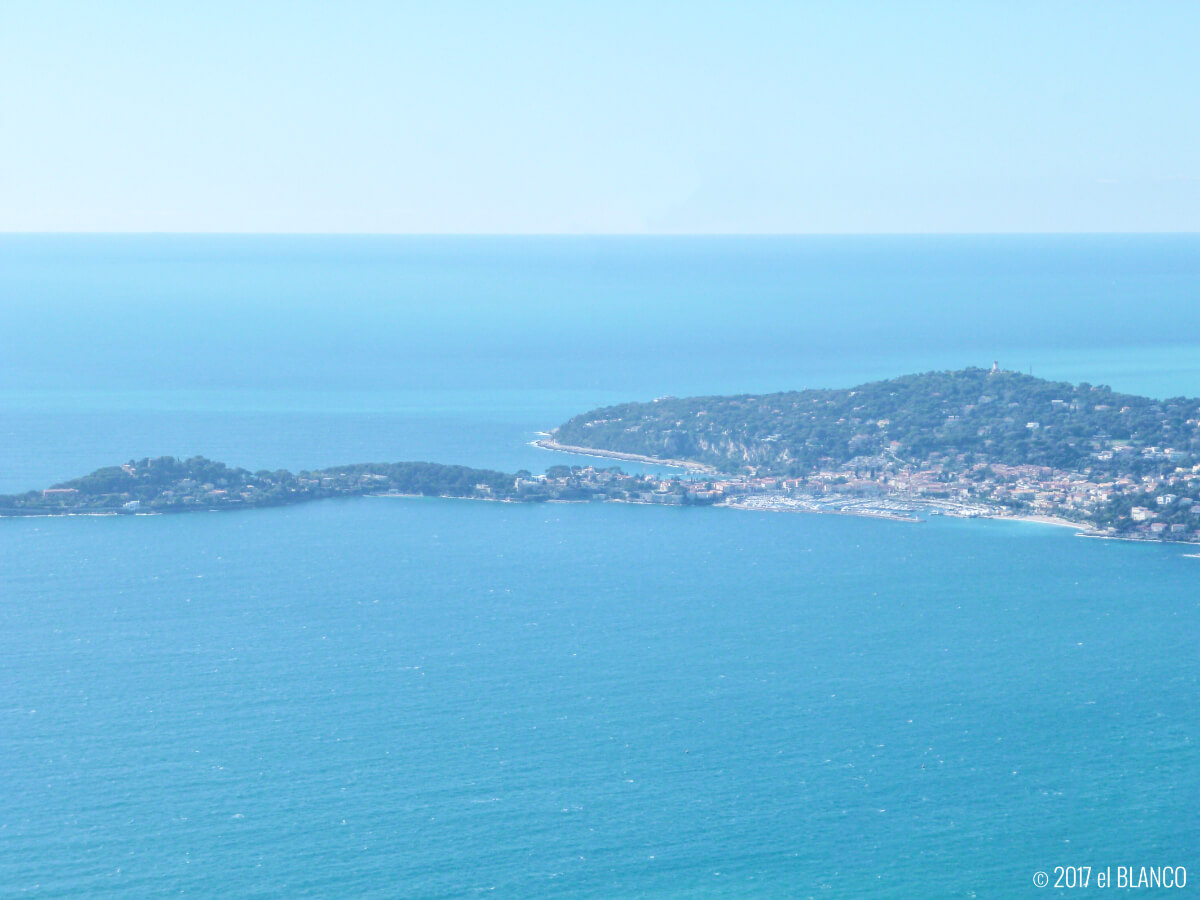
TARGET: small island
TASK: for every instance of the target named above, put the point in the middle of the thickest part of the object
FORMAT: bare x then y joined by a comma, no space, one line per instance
971,443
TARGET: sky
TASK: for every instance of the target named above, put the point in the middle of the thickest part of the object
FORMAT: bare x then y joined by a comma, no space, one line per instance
615,117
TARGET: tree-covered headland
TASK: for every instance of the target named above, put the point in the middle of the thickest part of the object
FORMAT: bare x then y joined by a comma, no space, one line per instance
1112,460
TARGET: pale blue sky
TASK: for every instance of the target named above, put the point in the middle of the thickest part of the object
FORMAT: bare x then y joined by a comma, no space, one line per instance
601,117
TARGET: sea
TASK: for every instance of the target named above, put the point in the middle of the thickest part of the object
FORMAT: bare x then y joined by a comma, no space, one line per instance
427,698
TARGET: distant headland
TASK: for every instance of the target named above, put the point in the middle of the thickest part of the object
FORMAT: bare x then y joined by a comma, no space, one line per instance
988,441
170,485
976,442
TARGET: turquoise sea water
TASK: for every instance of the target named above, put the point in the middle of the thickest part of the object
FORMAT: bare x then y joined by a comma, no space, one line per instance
424,698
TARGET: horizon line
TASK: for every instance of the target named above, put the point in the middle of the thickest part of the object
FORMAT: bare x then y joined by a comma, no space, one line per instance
587,234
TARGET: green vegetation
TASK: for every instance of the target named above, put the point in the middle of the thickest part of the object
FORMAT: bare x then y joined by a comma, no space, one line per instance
974,442
167,484
967,417
1122,465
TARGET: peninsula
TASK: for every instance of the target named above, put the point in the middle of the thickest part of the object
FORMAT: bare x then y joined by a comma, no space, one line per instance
167,485
970,443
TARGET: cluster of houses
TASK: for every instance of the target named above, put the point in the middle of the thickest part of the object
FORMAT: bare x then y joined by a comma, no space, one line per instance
1035,489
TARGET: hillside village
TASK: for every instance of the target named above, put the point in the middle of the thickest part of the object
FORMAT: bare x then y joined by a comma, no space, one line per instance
978,442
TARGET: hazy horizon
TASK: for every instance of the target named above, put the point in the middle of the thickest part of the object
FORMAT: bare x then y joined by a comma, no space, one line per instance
538,119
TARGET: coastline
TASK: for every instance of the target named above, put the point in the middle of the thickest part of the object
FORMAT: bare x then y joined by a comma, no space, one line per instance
1080,529
858,513
1049,520
548,443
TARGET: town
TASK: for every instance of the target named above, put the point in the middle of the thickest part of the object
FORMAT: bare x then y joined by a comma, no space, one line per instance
975,442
